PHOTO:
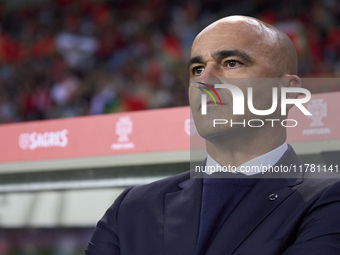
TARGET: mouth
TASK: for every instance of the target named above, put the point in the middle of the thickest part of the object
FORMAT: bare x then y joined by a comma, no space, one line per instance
209,103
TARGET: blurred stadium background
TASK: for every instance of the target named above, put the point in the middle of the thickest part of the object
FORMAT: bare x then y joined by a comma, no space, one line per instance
69,58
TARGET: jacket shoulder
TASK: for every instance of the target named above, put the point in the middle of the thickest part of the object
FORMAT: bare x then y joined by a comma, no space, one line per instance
157,189
324,186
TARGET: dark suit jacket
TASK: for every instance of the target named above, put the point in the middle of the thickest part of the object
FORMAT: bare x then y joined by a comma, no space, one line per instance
163,218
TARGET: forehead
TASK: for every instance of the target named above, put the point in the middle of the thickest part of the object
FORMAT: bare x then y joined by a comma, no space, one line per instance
251,38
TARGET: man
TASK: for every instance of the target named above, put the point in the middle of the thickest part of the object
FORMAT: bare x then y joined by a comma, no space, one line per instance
245,215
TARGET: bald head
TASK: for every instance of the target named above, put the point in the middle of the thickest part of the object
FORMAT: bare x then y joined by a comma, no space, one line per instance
253,34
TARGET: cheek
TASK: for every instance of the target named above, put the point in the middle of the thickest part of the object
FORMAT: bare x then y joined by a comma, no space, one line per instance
263,98
190,92
193,93
268,68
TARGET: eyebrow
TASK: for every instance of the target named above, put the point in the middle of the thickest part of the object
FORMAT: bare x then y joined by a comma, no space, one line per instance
195,60
223,54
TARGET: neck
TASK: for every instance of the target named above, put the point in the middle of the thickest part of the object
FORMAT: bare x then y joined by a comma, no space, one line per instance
235,150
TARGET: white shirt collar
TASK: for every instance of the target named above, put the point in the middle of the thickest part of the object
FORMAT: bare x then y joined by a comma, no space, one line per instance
254,166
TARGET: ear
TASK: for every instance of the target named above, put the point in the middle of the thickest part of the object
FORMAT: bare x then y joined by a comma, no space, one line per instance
291,81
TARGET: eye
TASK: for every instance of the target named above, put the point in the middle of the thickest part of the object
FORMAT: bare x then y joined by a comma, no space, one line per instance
232,63
198,70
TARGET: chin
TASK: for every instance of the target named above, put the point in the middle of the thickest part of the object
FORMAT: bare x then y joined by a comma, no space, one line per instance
206,129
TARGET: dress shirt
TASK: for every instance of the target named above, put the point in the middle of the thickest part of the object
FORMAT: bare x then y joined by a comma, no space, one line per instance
255,165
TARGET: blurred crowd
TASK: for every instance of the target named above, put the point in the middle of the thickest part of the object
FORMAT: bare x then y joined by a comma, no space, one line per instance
67,58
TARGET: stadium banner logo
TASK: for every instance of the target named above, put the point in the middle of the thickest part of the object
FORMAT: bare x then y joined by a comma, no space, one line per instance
318,107
189,127
124,127
37,140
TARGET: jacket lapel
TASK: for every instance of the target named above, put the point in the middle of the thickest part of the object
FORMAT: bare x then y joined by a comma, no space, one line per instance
181,217
255,207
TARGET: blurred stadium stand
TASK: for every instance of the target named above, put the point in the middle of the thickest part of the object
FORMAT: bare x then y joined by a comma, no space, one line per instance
67,58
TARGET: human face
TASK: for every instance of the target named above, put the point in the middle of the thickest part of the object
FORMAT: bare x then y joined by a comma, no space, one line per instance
224,53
